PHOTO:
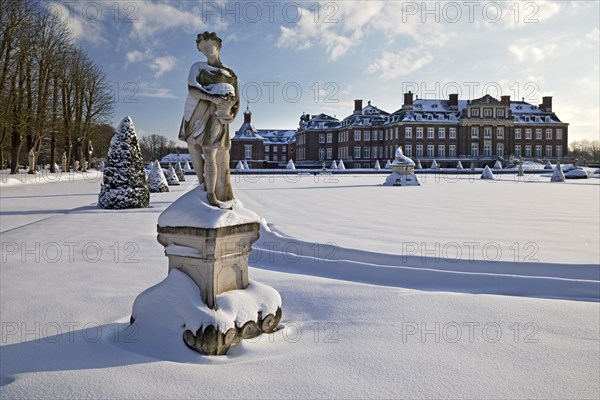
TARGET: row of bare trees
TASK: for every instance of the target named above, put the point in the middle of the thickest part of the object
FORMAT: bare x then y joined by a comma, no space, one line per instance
587,149
51,92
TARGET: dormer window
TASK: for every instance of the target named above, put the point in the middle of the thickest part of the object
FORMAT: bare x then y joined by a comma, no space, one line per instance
419,117
440,117
548,119
475,112
434,106
519,107
429,117
537,119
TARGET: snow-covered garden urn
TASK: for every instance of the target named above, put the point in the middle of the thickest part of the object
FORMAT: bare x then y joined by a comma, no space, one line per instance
207,233
403,171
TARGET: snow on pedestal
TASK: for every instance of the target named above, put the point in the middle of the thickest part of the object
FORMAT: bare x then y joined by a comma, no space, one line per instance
558,175
172,178
246,164
341,165
290,165
124,180
333,165
179,172
487,173
239,166
388,164
157,182
498,165
208,284
377,166
548,165
459,166
434,165
403,173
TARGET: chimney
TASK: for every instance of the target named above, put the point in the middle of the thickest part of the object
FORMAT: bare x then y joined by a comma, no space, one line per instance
453,101
247,117
408,100
358,106
505,100
546,103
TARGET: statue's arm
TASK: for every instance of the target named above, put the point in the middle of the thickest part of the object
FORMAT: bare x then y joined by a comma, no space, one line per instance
202,95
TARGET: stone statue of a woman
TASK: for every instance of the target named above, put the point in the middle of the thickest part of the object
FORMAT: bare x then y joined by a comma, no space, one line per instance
211,105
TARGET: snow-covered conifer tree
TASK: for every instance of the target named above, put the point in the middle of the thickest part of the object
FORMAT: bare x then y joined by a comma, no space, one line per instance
124,184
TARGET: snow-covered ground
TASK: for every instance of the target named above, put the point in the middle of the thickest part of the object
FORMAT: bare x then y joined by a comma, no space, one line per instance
371,307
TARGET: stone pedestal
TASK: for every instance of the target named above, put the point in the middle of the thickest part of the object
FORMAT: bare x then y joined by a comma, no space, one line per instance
403,171
215,258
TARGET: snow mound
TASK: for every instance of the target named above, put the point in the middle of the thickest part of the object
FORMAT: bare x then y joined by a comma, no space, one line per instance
558,175
290,165
459,166
333,165
498,165
377,166
548,165
487,173
434,165
341,165
193,210
164,311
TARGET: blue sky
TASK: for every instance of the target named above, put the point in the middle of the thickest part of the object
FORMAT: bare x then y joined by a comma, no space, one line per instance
313,57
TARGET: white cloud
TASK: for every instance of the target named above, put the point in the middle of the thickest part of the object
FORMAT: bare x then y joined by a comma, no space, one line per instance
394,65
85,29
161,93
593,35
526,51
163,64
153,17
137,56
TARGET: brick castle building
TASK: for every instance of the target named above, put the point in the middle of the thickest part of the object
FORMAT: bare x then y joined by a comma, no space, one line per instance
481,131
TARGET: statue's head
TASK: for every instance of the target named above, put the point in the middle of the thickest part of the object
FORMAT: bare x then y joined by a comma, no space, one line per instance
208,39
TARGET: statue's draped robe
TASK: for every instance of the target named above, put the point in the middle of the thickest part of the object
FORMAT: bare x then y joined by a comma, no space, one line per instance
200,120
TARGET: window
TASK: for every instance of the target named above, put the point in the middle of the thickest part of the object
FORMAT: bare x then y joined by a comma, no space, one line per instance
375,135
559,134
518,133
408,150
329,153
487,112
475,112
380,152
441,151
374,151
527,134
500,112
284,158
419,150
321,138
367,136
284,148
559,151
538,150
487,150
275,149
248,151
408,132
548,151
452,150
321,153
474,150
538,134
452,133
357,136
528,150
547,119
500,150
396,132
329,138
367,152
430,150
419,133
487,132
474,132
500,132
430,133
356,152
267,148
549,134
518,151
442,133
274,157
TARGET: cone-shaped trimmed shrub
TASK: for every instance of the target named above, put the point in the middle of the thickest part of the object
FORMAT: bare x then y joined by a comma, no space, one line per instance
124,184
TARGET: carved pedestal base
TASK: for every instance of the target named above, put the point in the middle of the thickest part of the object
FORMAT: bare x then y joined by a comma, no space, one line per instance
216,259
211,341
